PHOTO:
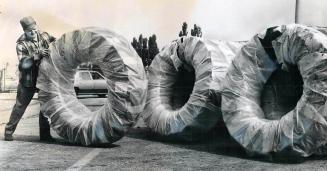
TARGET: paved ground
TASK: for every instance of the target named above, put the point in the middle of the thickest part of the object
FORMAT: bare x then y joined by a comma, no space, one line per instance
139,150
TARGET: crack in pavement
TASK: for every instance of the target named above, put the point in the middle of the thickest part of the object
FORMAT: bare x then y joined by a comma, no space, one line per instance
84,160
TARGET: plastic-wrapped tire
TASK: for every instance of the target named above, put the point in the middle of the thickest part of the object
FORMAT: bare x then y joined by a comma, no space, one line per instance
183,80
126,83
300,132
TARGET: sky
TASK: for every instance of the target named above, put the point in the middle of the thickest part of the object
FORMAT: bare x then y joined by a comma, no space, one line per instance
219,19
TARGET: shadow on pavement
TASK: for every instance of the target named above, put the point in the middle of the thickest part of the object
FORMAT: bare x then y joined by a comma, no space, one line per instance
218,141
58,141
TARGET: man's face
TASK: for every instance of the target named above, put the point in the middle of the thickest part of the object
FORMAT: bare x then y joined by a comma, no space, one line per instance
31,33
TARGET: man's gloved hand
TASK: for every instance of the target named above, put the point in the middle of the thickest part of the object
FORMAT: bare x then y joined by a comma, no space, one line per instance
41,53
45,53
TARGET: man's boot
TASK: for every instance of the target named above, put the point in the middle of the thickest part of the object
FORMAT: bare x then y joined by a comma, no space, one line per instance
45,134
8,137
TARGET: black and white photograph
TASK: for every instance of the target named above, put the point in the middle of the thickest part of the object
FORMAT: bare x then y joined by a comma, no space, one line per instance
146,85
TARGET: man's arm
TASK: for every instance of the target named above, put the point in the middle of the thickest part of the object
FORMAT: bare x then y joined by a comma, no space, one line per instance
52,39
49,38
21,51
44,52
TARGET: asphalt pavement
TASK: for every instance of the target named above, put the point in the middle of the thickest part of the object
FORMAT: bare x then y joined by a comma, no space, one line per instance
138,150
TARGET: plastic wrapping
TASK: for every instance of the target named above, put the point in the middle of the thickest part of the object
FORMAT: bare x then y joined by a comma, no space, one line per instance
126,83
183,80
303,130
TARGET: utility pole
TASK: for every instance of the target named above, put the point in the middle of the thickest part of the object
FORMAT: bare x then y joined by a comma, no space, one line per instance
4,76
1,79
296,11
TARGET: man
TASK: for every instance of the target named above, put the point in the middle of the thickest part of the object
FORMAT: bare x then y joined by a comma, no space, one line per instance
31,47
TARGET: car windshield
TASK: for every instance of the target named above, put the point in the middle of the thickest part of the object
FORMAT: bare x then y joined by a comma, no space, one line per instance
96,76
84,76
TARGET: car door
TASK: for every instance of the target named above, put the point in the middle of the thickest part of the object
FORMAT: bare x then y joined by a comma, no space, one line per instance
99,82
85,82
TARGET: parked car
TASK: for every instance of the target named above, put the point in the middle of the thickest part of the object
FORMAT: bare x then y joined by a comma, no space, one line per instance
90,82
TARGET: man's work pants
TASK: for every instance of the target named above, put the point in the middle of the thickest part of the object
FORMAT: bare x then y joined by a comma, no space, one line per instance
24,97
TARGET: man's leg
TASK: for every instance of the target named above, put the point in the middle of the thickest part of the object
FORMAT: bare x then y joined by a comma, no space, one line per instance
24,97
44,128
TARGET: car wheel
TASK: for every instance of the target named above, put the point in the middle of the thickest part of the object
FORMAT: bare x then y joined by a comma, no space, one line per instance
102,95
